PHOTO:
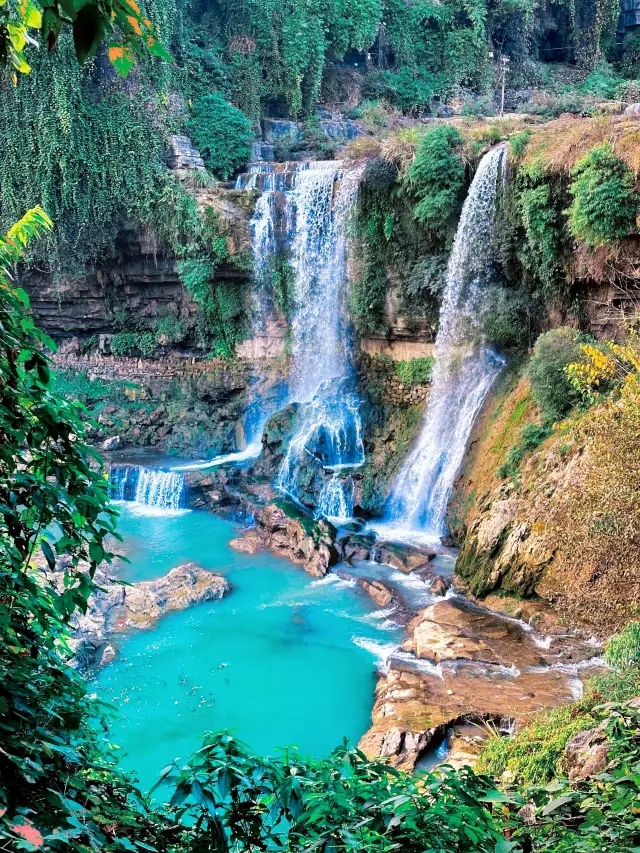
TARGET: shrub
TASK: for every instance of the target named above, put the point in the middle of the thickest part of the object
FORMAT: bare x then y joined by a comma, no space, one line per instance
623,649
518,143
605,204
222,134
409,91
415,371
437,176
508,323
531,438
126,343
550,385
534,754
170,329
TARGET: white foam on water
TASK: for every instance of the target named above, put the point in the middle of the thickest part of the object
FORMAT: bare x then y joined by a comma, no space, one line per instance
391,532
426,667
252,451
380,651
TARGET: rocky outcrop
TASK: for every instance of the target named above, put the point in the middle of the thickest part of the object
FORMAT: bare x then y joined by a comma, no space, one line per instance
565,526
463,663
115,608
587,754
285,529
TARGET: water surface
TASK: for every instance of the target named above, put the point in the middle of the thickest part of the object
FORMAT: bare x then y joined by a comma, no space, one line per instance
283,659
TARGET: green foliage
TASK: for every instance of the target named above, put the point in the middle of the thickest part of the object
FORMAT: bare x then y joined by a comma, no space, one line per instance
550,387
509,322
531,438
54,770
534,755
222,306
409,90
226,798
597,814
415,371
437,177
72,385
222,134
605,205
170,329
538,206
623,649
518,143
90,22
93,158
128,343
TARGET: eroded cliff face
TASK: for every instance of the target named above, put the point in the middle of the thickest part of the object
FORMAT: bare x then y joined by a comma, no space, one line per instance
567,527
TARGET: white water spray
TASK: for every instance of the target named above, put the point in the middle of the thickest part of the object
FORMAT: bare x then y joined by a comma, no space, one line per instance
336,500
464,371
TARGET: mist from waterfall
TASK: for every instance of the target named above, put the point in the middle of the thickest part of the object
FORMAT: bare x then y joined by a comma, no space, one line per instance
464,371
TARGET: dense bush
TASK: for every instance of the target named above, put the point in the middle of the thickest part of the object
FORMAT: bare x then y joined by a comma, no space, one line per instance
222,134
531,438
605,204
128,343
550,386
534,755
415,371
437,177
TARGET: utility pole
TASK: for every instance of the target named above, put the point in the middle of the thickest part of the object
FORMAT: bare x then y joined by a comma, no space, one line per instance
504,62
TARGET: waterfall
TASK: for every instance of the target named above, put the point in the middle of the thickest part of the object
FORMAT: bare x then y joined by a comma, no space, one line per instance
330,432
149,487
262,227
336,499
465,367
322,197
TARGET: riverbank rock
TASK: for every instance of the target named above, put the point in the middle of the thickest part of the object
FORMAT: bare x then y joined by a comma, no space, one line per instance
381,594
404,558
461,663
115,608
454,630
144,603
287,530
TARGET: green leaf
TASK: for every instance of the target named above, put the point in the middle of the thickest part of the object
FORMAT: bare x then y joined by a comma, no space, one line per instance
556,804
48,554
505,846
88,31
122,58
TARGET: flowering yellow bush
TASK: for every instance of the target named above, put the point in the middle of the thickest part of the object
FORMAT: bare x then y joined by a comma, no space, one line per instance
603,369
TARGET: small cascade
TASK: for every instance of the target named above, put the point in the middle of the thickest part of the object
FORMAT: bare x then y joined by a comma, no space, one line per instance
329,434
336,500
150,487
465,367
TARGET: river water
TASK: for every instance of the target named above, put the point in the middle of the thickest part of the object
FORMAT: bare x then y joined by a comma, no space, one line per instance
282,660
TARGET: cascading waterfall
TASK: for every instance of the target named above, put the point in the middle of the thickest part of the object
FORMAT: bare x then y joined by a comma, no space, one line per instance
322,197
465,366
271,182
336,499
330,430
150,487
